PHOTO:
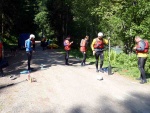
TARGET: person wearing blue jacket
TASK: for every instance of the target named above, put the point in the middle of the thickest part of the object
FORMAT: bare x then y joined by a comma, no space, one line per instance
28,47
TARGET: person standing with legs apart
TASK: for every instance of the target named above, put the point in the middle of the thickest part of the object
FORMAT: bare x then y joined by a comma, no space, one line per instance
28,47
67,47
141,48
83,49
98,48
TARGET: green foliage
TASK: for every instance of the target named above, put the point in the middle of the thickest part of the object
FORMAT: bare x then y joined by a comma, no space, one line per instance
41,19
76,53
10,42
126,64
122,63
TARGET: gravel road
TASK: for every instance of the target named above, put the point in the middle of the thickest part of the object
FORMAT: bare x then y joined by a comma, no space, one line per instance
67,89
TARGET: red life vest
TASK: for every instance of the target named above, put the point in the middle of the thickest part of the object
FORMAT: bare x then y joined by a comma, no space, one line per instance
146,48
83,47
99,44
67,45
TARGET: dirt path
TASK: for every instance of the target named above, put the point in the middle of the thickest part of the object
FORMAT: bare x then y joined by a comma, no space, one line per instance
68,89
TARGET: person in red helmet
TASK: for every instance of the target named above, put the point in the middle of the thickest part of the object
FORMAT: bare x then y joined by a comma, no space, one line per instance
67,48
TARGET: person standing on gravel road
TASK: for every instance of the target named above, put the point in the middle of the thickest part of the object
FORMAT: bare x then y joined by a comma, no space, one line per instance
83,49
28,47
67,47
141,48
98,48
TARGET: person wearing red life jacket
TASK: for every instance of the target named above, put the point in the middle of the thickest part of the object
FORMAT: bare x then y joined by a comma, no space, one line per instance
67,48
98,48
142,54
83,49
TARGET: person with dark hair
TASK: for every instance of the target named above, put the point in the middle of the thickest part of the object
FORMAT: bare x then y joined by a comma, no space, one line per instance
28,44
67,48
98,48
141,48
83,49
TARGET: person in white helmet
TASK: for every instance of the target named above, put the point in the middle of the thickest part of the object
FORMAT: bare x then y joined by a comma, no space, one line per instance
98,48
28,47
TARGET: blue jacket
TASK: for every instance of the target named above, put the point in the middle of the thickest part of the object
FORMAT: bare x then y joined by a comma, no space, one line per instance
28,45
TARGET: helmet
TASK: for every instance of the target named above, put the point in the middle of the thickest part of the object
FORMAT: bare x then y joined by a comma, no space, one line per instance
100,34
32,36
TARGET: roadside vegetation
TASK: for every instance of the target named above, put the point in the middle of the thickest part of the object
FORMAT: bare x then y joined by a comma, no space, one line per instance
123,64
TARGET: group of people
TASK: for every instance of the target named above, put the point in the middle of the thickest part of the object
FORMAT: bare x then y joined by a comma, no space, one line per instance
97,47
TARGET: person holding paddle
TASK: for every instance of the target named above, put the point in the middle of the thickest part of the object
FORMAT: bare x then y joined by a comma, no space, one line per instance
98,48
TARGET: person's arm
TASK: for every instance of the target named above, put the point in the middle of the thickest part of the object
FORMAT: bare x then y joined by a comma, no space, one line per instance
92,45
69,43
81,42
26,44
105,41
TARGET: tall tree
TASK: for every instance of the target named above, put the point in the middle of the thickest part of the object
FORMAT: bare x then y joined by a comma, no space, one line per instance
59,17
17,16
42,20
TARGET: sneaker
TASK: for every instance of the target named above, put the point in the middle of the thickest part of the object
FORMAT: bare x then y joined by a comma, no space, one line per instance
143,81
97,70
82,64
101,70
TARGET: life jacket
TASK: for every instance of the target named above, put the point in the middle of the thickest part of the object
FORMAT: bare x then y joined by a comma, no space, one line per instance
83,47
146,48
99,44
67,45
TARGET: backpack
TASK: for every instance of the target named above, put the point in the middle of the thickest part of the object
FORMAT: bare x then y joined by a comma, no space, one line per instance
146,48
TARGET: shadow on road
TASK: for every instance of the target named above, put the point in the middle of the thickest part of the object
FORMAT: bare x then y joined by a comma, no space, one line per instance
138,103
10,85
